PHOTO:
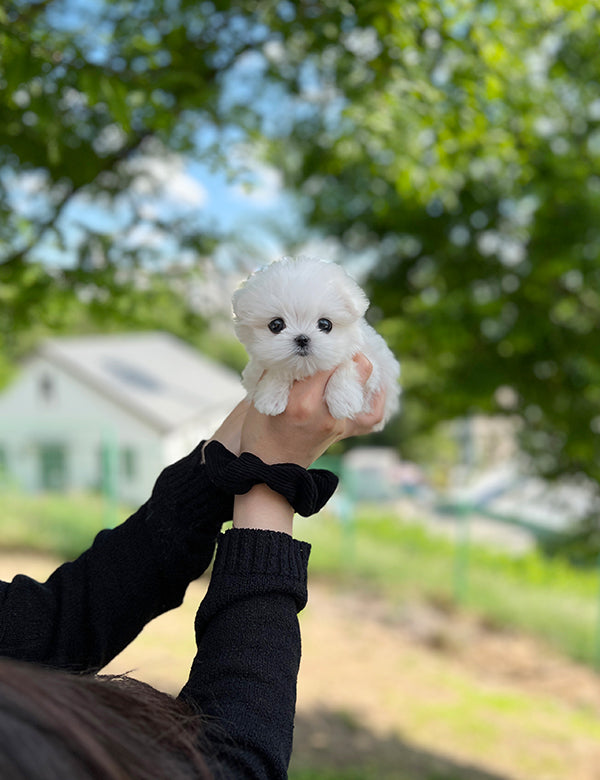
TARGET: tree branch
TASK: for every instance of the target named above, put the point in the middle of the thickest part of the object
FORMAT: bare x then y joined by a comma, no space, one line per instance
17,257
29,13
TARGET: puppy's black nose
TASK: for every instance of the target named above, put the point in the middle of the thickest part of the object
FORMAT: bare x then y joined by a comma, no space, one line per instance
302,340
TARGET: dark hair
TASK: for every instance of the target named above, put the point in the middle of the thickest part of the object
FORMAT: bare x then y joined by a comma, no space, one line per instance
55,725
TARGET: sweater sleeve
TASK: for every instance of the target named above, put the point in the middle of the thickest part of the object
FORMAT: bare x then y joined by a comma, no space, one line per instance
91,608
243,679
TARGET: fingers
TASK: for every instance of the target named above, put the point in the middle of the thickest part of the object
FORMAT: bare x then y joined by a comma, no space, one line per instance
236,416
312,387
314,384
306,395
368,420
306,428
364,366
229,432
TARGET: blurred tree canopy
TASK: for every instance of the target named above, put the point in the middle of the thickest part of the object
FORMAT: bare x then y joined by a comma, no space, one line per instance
103,106
454,145
464,161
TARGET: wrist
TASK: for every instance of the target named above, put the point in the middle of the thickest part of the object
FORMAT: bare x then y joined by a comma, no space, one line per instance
304,491
263,509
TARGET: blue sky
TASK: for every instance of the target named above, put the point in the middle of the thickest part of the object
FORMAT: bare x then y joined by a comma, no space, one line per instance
254,209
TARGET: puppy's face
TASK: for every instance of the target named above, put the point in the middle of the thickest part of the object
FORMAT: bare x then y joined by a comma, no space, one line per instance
300,315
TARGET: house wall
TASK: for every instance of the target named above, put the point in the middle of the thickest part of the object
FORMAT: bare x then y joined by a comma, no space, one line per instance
47,411
181,441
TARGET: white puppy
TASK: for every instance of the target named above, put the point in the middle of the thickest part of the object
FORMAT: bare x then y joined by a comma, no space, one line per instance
300,315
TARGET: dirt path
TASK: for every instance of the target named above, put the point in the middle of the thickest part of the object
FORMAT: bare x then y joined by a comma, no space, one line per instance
412,694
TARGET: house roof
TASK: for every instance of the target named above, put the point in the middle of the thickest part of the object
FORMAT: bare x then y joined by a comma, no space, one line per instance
154,375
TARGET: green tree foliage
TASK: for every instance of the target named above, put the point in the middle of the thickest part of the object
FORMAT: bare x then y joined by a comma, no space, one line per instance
466,163
101,105
456,144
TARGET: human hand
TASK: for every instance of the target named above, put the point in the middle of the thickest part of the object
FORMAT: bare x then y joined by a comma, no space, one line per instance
229,432
299,435
306,429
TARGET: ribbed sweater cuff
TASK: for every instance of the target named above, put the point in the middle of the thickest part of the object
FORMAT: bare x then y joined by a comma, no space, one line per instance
252,563
250,551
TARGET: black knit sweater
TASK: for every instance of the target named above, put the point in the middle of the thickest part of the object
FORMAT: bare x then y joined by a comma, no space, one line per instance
248,641
248,638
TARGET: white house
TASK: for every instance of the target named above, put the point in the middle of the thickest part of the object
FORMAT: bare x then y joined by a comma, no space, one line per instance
110,412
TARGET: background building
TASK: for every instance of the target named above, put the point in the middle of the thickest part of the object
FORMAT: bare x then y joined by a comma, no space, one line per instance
110,412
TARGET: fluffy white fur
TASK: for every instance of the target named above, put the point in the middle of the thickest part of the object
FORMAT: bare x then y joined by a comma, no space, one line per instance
305,294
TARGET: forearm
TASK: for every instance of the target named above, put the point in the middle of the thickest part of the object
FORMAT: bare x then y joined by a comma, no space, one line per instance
245,671
91,608
81,616
263,509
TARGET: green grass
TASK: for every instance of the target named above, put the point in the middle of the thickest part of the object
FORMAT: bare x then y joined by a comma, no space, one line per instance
366,774
326,774
357,774
400,561
54,523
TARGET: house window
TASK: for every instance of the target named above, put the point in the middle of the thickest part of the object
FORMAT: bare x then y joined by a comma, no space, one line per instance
47,388
128,463
53,466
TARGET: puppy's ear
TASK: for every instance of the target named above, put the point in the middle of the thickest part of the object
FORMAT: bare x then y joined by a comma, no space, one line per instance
235,301
243,332
247,302
241,325
353,301
244,305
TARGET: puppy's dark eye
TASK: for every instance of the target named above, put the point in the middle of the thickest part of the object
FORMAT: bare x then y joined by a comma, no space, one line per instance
276,325
324,325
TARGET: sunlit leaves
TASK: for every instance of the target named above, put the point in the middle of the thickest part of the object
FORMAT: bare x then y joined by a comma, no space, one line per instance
467,163
457,143
87,91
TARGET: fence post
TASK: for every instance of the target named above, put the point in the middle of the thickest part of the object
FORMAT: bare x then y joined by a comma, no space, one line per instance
465,442
597,631
345,509
343,505
110,466
461,558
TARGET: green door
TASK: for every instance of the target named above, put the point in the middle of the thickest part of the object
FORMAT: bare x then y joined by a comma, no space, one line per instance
53,466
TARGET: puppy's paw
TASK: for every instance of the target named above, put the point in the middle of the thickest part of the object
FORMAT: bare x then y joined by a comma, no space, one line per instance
344,393
270,398
270,406
346,405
